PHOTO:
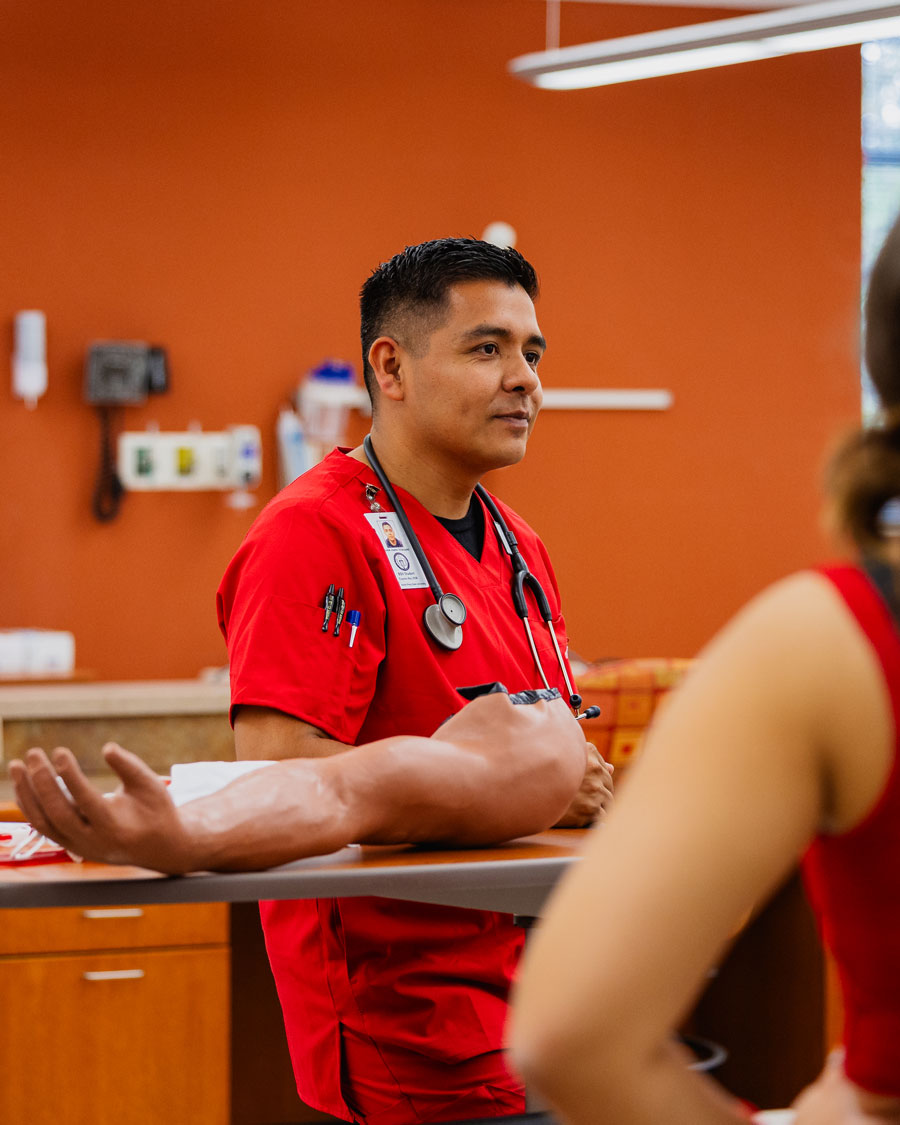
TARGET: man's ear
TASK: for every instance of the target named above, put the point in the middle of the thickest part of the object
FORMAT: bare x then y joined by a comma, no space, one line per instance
385,359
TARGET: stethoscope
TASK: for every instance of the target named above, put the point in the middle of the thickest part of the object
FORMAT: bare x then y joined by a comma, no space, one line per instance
444,619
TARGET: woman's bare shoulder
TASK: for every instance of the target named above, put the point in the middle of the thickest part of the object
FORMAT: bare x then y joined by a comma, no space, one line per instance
799,622
798,645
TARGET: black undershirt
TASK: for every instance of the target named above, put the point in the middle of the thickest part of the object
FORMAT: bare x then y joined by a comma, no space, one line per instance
469,531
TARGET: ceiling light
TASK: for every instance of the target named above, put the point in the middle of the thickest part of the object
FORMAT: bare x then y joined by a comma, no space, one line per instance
808,27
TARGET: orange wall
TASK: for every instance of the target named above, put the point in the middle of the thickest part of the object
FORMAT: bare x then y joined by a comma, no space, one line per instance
220,177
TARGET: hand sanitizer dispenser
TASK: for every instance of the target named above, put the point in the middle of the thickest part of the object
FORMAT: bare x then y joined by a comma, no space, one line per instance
29,361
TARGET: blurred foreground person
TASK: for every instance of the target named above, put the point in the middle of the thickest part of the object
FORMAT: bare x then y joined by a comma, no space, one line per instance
788,730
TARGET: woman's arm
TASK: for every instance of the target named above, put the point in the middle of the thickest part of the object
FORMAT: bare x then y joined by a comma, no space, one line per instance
492,772
737,776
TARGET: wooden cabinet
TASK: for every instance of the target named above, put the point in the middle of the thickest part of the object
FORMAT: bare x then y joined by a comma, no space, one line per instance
115,1016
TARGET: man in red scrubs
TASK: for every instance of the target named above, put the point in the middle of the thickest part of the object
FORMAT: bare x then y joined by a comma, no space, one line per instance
394,1011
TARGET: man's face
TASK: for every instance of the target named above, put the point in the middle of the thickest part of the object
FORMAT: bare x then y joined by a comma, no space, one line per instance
471,388
389,534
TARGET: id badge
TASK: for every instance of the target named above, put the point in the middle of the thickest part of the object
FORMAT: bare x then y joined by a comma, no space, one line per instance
400,554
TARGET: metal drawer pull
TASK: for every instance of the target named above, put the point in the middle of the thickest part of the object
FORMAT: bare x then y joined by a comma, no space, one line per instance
114,912
115,974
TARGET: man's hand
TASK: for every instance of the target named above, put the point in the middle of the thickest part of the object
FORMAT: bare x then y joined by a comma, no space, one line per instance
595,796
137,824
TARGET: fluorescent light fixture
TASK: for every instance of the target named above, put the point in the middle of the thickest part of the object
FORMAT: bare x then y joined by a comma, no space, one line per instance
674,50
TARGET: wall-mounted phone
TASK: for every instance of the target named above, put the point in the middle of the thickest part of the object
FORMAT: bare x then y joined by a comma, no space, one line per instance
117,373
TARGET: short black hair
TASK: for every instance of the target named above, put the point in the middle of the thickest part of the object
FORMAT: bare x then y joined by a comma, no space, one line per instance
413,285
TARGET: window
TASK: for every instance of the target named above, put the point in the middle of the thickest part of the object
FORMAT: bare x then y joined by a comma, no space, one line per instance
881,161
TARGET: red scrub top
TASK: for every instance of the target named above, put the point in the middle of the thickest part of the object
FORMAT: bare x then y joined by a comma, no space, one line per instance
380,997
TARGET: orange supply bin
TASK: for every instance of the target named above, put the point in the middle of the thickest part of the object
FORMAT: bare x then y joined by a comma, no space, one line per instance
628,693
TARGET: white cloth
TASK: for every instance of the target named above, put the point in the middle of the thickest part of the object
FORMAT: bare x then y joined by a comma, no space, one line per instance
190,780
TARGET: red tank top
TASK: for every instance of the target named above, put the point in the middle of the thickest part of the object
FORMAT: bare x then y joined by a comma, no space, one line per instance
853,879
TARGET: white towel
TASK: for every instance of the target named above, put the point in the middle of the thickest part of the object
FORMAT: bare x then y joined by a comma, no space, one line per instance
191,780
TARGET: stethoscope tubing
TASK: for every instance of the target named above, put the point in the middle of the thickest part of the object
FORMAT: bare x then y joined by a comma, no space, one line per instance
411,536
522,576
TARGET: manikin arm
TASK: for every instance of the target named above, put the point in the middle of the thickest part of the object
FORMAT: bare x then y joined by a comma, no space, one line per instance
442,789
269,735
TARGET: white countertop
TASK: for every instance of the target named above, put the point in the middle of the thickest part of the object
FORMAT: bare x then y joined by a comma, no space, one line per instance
94,700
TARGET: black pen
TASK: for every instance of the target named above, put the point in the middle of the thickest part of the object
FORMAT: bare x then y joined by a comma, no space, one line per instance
339,606
329,606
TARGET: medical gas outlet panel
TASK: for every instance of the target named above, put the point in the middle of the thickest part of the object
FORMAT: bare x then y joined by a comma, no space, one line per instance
192,460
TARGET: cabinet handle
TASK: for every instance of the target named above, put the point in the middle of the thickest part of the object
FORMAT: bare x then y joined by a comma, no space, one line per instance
114,912
115,974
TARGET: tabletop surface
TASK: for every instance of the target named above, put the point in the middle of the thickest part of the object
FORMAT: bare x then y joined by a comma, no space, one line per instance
515,877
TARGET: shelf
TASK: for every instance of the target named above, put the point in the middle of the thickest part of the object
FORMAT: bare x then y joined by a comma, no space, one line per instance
93,700
555,398
594,398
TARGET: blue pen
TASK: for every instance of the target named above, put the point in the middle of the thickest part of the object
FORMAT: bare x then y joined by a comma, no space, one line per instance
353,619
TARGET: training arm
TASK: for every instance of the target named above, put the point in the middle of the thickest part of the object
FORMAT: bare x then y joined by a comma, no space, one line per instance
401,789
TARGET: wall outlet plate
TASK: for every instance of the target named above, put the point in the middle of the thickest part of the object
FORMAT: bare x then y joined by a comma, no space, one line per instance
190,460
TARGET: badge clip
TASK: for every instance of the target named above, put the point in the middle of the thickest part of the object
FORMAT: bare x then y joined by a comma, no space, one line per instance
372,491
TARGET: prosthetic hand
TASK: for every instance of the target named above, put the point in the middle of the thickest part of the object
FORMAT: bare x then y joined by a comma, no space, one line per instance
595,794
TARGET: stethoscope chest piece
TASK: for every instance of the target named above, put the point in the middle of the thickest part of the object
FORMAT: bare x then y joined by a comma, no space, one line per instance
444,621
453,608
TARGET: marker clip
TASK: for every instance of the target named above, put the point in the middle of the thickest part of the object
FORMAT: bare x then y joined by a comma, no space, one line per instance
339,606
329,606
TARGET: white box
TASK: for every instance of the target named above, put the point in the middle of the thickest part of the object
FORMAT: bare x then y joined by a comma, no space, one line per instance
36,652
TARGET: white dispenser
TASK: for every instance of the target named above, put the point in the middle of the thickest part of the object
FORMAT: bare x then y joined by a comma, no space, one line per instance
293,457
29,361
